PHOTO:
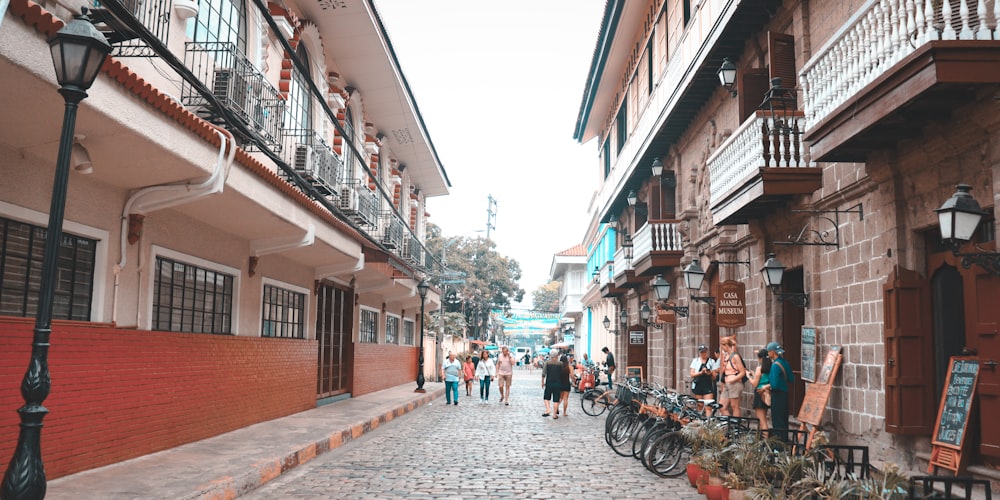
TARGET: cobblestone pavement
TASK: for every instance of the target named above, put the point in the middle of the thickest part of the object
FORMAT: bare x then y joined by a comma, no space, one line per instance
477,450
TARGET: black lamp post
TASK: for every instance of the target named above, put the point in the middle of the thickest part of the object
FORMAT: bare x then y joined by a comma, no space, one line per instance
78,52
422,290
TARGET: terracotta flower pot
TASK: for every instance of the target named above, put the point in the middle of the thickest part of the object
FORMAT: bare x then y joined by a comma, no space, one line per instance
737,494
716,492
693,472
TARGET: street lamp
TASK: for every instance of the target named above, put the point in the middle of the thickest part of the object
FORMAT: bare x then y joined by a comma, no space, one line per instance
727,75
422,290
773,272
78,52
959,218
661,288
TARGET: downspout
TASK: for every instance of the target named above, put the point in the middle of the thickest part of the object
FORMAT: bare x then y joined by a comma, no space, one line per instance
168,195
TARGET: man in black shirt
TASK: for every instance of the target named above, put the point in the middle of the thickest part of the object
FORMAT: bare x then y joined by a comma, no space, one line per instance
609,361
552,384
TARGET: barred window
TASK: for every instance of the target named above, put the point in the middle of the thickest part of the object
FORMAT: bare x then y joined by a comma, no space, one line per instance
369,326
219,21
283,313
188,298
391,329
22,249
407,332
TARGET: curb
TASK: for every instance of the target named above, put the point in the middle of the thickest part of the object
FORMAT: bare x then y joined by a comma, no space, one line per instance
230,487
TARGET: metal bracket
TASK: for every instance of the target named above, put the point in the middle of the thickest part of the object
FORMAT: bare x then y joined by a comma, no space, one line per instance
813,235
989,261
796,299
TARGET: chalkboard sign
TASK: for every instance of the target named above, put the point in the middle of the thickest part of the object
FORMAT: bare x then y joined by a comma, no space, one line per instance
809,353
956,402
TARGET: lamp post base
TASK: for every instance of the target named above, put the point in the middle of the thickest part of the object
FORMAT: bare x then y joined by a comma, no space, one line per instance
421,391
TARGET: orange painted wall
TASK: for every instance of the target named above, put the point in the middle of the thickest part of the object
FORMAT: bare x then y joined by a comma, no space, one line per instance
119,394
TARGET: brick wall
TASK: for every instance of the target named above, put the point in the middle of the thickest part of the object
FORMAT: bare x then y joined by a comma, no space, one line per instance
119,394
381,366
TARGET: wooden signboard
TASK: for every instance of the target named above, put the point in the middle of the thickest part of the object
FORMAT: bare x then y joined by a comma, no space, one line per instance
730,307
809,353
634,373
948,439
818,392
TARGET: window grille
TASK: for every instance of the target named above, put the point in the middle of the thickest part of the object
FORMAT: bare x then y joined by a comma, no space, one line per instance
283,313
408,332
369,326
22,247
188,298
391,329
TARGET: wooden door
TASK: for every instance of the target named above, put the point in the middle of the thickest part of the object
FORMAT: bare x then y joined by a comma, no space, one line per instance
637,346
792,319
909,360
982,299
334,319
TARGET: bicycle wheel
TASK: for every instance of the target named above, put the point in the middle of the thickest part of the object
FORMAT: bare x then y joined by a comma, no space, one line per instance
666,455
621,435
592,403
645,426
648,441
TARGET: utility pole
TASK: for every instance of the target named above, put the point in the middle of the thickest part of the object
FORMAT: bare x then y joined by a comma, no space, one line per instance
491,215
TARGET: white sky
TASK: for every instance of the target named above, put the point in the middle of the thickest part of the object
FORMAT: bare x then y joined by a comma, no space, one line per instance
499,85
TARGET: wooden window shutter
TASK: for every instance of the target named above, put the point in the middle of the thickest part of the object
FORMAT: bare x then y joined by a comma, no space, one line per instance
909,342
751,86
781,58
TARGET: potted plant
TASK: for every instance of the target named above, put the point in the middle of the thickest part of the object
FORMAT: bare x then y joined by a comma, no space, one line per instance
707,440
746,463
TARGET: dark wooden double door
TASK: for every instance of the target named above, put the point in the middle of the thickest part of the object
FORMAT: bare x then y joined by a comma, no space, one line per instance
334,321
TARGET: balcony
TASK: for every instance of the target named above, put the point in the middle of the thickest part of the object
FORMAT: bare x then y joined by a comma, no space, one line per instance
244,93
606,281
392,230
656,245
875,83
358,203
413,251
624,274
759,167
314,160
154,15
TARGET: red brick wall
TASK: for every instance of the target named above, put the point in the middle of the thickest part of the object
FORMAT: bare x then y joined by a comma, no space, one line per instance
119,394
380,366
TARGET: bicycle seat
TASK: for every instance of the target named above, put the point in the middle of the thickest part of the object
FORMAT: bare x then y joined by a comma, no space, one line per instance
709,402
713,405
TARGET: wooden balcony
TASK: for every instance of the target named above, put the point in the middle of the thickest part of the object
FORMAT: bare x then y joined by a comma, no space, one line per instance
657,246
875,84
606,281
759,167
624,274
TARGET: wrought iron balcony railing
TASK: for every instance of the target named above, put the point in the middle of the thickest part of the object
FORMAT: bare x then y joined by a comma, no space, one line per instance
240,88
313,159
392,230
359,203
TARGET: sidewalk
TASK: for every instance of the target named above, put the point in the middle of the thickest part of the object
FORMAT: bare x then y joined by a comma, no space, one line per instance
226,466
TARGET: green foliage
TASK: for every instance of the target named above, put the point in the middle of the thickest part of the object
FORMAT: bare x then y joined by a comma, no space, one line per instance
546,297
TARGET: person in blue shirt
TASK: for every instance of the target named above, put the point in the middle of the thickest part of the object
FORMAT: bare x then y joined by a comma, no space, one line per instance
780,379
451,372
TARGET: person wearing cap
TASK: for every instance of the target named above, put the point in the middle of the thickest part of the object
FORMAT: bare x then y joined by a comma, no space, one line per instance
703,370
780,378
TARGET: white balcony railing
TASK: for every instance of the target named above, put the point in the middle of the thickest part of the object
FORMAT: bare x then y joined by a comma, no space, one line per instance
657,236
881,34
623,260
606,275
757,143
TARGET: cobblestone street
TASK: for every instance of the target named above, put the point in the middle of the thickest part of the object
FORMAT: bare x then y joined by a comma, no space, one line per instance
477,450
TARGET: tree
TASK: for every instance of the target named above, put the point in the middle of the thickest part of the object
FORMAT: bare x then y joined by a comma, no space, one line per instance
481,278
546,297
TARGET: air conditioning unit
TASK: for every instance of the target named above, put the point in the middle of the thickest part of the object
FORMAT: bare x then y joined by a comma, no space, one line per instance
349,200
303,159
233,89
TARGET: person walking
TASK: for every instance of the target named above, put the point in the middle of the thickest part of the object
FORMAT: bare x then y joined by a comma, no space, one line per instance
761,397
609,362
731,385
505,373
451,372
552,385
565,381
485,371
780,379
469,371
703,370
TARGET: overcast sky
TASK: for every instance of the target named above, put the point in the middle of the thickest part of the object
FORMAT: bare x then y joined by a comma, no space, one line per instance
499,85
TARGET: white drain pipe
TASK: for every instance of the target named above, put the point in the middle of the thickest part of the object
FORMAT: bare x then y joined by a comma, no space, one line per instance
162,196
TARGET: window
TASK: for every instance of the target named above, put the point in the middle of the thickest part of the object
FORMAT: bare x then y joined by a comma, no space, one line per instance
607,156
219,21
298,113
408,332
188,298
621,126
283,313
369,326
22,247
391,329
347,150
